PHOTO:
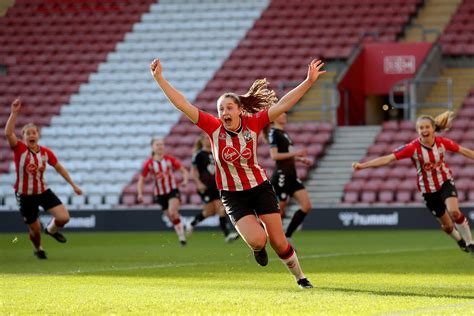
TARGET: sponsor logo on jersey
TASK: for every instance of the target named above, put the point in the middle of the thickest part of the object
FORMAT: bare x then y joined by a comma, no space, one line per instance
230,154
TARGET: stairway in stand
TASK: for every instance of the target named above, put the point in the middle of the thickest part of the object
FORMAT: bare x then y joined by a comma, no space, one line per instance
326,182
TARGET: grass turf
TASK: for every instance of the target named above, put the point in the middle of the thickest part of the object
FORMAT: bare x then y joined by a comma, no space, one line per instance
354,272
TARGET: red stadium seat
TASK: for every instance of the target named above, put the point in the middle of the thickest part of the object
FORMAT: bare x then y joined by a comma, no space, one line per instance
351,197
368,197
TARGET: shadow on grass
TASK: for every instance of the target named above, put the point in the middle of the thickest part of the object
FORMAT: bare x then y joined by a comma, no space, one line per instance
397,293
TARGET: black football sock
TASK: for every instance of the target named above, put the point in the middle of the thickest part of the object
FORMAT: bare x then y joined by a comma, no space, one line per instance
297,219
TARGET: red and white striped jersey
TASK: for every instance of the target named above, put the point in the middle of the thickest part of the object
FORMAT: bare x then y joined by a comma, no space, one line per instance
237,168
30,167
162,172
429,162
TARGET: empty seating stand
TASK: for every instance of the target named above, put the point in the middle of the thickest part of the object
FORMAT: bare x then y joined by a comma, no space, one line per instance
458,37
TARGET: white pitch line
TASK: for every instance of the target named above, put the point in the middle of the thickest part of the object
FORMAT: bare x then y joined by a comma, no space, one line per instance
191,264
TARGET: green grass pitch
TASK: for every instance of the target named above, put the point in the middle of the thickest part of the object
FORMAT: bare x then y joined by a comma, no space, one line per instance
354,272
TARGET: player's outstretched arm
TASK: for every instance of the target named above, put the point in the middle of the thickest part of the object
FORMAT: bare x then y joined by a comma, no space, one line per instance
275,155
292,97
175,97
466,152
63,172
377,162
10,126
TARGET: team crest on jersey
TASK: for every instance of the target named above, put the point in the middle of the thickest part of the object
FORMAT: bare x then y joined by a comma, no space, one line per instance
32,168
159,174
222,135
247,135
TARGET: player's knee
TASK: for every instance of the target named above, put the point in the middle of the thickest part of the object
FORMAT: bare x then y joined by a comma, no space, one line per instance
455,214
257,242
62,220
306,206
448,229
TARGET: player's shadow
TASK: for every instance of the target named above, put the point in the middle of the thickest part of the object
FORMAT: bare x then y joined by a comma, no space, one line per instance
397,293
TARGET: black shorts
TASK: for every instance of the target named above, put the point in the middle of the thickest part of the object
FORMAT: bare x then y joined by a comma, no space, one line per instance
163,200
29,204
435,202
285,185
256,201
209,195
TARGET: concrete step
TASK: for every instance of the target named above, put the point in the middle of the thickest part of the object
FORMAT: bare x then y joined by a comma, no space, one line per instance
325,189
342,177
326,195
342,144
329,173
348,151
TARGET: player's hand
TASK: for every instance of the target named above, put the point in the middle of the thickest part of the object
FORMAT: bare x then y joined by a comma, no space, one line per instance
306,161
356,166
156,69
77,190
302,153
201,188
16,105
314,70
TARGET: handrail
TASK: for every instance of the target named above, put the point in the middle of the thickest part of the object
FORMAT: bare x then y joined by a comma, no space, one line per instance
426,31
409,88
330,96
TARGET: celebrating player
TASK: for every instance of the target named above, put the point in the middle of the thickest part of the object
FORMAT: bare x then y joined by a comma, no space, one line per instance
166,193
435,179
247,195
30,186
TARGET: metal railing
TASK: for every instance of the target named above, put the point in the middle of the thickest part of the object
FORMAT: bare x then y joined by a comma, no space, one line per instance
330,101
407,90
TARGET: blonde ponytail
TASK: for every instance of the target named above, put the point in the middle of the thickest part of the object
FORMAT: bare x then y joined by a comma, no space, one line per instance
440,123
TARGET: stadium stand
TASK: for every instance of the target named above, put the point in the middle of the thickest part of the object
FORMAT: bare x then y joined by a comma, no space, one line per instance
102,132
458,37
51,48
87,65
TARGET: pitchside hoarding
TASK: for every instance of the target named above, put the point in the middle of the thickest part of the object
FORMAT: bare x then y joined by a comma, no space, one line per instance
318,219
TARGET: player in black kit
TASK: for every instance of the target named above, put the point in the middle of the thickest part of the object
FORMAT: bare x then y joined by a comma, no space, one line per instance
284,179
203,173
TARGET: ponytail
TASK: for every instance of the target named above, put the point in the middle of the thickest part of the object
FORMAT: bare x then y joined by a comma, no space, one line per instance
441,122
258,97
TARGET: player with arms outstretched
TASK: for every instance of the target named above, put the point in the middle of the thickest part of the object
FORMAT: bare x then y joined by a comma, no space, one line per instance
247,195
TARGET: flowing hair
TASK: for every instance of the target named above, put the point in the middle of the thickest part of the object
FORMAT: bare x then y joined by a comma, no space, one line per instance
154,139
258,97
440,123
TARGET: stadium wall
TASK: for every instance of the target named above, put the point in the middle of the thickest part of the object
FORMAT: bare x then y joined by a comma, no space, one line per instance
318,219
